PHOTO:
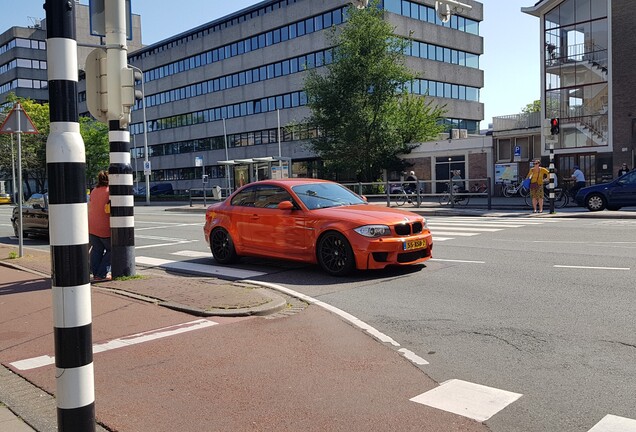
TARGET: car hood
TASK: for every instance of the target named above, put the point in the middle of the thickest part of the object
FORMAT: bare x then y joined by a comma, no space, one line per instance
363,214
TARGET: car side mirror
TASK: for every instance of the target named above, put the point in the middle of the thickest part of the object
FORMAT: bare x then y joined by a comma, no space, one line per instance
285,205
364,198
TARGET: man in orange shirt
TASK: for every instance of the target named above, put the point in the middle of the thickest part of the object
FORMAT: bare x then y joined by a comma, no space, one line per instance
99,228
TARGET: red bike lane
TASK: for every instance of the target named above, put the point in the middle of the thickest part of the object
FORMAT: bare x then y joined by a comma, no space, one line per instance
162,370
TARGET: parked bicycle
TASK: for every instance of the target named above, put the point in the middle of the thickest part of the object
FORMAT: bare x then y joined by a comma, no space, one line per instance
479,188
460,197
561,198
515,188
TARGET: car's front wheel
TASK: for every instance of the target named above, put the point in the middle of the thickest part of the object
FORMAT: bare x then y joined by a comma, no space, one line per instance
222,247
335,255
595,202
16,231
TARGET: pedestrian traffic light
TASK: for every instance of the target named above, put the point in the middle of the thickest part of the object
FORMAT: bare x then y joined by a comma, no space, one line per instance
554,126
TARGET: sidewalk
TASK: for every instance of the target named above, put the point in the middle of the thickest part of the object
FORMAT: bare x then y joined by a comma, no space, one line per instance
307,371
199,296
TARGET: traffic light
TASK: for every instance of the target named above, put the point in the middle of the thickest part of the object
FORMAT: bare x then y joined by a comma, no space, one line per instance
554,126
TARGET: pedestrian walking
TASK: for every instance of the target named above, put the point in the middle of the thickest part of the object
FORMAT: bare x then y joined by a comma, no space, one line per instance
538,176
99,228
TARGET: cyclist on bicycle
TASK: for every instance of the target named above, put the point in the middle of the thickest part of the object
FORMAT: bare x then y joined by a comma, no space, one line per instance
578,176
411,186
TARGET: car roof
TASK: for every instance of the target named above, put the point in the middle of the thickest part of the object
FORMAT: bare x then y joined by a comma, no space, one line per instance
289,182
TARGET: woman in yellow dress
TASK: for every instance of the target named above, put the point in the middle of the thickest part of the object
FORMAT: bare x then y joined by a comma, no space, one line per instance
538,176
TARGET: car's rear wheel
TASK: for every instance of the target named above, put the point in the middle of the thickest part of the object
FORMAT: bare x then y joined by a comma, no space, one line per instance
595,202
222,247
335,255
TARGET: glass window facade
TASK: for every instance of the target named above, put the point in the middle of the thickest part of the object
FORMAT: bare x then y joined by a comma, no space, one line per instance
576,65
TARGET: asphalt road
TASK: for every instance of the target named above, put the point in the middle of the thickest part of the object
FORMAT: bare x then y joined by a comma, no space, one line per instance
540,307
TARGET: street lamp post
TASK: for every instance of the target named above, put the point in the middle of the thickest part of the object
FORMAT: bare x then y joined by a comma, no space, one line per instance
143,109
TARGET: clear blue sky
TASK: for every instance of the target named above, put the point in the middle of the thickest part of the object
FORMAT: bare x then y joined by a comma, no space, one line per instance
511,41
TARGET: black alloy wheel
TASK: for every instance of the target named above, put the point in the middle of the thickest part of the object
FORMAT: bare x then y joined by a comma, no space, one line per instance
222,247
335,255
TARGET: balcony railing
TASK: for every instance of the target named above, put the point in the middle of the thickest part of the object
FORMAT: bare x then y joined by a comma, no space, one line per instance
516,121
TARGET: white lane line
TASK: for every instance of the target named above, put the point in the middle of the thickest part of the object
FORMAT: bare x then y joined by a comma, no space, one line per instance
612,423
201,269
453,227
494,225
161,238
165,244
453,233
193,254
125,341
458,261
435,238
413,357
168,226
592,268
466,399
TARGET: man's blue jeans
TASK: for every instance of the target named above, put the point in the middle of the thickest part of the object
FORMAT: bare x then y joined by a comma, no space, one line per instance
100,255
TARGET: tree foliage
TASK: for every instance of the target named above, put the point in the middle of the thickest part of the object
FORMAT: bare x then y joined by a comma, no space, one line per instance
532,107
94,134
360,103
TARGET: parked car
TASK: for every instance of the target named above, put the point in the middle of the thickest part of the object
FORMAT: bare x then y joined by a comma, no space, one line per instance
314,221
161,189
5,198
35,216
618,193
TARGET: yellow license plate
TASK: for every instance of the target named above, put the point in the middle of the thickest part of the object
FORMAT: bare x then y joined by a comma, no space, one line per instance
414,244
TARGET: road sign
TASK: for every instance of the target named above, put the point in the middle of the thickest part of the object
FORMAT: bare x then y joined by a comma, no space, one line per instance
147,168
517,155
18,121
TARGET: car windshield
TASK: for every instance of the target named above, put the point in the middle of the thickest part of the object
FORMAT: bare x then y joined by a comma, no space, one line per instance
323,195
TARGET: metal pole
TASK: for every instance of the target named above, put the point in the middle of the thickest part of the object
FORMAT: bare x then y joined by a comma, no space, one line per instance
227,167
552,175
280,160
20,193
13,191
122,220
68,222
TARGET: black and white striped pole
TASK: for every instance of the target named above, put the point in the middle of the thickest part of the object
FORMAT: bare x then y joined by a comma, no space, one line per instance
68,222
121,98
552,178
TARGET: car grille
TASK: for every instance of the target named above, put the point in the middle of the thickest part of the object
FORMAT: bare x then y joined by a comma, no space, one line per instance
409,228
412,256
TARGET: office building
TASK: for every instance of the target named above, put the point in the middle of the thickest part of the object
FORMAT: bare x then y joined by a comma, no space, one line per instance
217,94
588,82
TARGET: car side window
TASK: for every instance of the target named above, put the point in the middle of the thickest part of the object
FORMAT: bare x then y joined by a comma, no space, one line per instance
268,196
245,198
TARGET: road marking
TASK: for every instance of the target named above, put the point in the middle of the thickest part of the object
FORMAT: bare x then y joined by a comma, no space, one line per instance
344,315
612,423
125,341
453,233
200,269
164,226
592,268
193,254
435,238
458,261
493,224
165,244
452,227
466,399
413,357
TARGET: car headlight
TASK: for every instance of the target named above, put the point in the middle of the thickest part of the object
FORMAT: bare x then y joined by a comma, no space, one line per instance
373,230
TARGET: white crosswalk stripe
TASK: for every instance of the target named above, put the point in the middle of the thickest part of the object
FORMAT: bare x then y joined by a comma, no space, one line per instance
449,228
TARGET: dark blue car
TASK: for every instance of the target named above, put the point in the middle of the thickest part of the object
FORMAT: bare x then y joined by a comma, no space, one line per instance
618,193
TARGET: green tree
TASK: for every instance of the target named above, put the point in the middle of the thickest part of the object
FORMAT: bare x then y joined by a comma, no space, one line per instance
33,145
532,107
360,103
95,135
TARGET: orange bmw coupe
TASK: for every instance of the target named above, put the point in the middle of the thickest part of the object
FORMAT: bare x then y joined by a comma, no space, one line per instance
314,221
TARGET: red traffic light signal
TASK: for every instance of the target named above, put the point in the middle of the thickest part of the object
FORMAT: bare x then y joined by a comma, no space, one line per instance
554,126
